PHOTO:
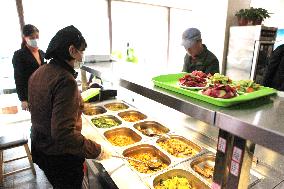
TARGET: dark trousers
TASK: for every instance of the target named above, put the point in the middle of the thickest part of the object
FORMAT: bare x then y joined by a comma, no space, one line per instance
63,171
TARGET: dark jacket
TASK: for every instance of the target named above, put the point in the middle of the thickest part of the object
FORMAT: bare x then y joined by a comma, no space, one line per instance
206,61
274,76
56,106
24,65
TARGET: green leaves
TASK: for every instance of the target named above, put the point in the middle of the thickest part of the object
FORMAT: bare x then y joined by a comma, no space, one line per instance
253,13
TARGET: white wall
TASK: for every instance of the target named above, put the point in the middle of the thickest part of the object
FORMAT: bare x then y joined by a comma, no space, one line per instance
273,6
211,19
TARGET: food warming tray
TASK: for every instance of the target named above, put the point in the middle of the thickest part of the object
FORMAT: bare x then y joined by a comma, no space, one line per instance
194,181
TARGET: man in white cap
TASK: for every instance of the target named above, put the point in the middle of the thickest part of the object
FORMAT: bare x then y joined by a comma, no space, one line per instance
198,57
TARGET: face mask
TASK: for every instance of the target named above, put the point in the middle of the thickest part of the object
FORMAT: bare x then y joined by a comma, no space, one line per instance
78,64
33,43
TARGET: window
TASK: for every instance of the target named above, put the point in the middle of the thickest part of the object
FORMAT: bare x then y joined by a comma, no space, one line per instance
180,21
145,28
10,41
89,16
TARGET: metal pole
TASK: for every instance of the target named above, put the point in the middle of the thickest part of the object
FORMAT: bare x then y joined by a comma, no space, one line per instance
233,162
109,25
20,10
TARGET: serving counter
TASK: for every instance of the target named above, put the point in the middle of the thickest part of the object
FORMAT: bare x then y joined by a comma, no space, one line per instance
240,127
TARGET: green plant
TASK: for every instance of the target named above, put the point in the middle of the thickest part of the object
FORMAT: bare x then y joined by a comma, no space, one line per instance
242,13
257,13
262,13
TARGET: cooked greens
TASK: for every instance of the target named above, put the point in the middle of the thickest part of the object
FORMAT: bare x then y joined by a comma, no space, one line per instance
105,122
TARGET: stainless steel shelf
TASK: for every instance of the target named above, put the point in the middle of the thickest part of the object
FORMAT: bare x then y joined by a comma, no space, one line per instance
261,120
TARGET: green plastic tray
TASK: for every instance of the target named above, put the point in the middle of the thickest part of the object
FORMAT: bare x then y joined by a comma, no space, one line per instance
170,82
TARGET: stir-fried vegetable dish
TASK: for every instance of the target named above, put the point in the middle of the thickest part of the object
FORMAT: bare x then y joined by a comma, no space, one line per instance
206,171
176,182
116,106
132,117
146,167
121,140
177,147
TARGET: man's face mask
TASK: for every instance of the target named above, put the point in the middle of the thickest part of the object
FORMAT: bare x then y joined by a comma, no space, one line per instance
33,43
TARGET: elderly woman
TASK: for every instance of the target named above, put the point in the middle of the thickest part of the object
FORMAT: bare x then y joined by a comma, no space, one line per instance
58,147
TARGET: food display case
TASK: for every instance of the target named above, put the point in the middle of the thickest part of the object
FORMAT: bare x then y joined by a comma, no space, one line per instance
242,142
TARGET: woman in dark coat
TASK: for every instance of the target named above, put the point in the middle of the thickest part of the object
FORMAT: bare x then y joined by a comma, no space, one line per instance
274,76
25,61
57,145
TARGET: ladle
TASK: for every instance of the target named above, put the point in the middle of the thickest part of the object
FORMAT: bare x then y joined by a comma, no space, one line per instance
150,132
152,164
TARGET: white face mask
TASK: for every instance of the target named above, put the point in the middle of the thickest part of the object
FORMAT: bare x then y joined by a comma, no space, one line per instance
79,64
33,43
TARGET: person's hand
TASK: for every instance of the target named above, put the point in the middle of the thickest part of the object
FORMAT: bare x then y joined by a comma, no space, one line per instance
25,105
106,152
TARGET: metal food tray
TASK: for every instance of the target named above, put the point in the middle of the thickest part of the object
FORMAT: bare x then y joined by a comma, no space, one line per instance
123,122
150,124
142,148
96,110
122,131
136,113
187,166
108,117
193,180
109,105
184,164
194,146
153,143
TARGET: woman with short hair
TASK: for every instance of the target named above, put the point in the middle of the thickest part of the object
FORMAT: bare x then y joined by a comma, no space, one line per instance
57,145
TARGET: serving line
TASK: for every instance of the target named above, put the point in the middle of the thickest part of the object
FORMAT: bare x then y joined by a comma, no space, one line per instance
235,136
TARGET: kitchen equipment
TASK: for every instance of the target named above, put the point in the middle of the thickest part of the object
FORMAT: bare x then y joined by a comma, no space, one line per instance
248,52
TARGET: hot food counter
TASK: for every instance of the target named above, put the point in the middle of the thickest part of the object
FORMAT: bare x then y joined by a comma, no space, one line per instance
234,131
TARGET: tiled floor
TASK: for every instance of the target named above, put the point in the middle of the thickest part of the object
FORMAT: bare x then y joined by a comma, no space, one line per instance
25,179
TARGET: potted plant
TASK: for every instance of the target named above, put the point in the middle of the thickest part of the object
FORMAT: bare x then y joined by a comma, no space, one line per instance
253,15
242,16
259,15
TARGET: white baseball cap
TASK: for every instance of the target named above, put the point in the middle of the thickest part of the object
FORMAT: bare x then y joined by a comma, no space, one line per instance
190,36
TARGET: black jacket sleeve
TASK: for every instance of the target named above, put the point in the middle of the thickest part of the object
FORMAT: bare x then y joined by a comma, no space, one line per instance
24,65
20,77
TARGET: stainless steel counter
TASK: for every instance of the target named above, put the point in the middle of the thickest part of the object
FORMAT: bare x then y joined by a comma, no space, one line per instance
181,125
260,121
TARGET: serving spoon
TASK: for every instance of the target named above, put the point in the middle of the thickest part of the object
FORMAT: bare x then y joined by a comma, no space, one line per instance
152,164
151,133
